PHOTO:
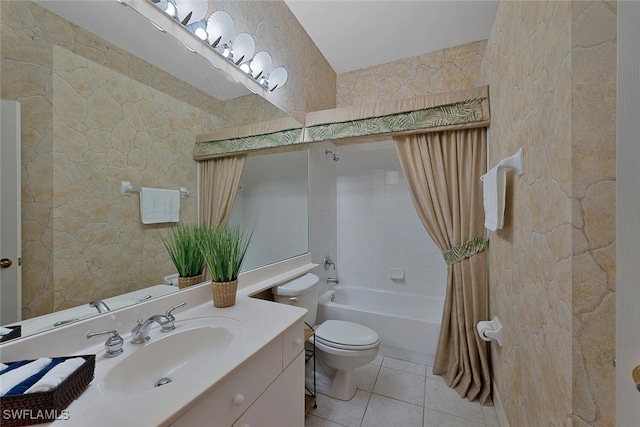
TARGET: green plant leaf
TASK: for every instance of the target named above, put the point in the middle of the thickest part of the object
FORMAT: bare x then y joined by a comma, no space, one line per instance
224,249
183,248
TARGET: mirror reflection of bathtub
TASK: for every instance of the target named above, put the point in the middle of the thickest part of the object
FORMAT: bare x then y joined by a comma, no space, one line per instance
64,317
408,324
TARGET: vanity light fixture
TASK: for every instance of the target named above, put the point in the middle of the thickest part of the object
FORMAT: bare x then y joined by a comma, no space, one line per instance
217,32
198,28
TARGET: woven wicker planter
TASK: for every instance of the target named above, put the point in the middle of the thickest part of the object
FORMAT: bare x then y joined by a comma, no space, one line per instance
224,293
185,282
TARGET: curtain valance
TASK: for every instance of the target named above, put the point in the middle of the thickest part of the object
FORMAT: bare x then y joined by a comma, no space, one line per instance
270,134
451,110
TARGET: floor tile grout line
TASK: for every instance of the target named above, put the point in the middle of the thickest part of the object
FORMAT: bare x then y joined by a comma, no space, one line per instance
371,392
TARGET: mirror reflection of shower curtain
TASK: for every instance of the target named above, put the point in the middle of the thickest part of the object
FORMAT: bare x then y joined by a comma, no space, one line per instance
219,180
443,172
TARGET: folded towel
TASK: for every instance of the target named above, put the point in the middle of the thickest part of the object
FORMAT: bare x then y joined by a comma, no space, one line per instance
159,205
14,365
493,189
5,331
22,387
10,379
56,375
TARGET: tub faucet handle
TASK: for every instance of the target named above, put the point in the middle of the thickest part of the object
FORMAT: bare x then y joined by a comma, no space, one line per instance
328,262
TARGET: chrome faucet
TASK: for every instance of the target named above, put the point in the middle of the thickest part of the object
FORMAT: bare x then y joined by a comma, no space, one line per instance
100,306
113,346
332,280
140,333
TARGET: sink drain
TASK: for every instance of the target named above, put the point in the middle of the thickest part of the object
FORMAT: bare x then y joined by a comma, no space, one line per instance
163,381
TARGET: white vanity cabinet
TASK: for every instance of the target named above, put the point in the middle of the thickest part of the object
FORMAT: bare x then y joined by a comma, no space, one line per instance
267,390
282,404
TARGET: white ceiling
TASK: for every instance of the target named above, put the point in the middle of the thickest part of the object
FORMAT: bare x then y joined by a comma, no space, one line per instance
356,34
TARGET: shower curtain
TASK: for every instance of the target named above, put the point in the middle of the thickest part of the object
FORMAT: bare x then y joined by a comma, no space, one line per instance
219,179
443,171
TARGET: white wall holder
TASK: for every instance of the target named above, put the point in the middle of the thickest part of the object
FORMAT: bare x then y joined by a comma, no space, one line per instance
514,162
490,330
126,188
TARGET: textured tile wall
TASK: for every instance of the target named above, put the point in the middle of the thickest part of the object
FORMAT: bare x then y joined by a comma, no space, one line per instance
551,71
108,128
528,68
593,124
440,71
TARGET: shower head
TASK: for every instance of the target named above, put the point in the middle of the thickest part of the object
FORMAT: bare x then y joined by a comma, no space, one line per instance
335,156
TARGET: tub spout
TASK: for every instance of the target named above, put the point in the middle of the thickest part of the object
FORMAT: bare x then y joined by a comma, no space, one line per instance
332,280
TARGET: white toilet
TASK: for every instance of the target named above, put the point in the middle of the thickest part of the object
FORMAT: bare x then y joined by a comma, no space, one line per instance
340,346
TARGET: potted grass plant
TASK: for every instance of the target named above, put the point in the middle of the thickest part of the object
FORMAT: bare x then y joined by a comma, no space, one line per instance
183,248
224,248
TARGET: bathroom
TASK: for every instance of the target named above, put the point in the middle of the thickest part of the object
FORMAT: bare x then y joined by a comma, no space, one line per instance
517,278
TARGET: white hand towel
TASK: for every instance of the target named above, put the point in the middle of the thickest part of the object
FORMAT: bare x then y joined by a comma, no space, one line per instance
493,192
14,377
158,205
56,375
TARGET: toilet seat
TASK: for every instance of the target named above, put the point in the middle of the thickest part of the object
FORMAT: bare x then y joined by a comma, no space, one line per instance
344,335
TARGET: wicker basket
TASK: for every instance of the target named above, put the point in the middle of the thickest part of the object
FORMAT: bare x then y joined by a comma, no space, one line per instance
15,333
224,293
47,406
185,282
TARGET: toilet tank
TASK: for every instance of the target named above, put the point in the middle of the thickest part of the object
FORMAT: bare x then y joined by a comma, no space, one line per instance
302,292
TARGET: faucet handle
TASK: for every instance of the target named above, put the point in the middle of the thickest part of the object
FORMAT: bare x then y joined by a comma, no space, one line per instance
168,313
327,262
138,326
114,343
171,319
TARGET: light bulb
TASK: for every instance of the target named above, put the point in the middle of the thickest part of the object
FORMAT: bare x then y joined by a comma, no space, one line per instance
171,9
201,33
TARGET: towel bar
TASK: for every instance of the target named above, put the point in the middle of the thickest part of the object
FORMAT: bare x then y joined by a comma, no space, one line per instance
126,188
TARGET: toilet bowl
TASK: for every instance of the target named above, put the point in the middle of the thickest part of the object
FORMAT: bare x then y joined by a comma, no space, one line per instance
340,346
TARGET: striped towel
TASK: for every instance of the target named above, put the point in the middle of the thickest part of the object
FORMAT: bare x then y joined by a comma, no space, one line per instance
13,377
56,375
22,387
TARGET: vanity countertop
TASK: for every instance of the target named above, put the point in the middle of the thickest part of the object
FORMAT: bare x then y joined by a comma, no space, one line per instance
263,321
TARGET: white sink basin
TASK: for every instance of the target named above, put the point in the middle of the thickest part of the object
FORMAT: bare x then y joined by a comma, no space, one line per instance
191,349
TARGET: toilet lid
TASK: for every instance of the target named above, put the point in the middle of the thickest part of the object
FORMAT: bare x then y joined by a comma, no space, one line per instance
346,335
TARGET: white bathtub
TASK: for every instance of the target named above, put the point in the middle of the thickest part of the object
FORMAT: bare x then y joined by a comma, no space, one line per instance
408,325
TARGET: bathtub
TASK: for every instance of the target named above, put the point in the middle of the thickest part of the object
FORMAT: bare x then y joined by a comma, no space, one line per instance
408,325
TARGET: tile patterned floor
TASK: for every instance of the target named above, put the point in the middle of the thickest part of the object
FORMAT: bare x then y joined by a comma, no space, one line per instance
394,393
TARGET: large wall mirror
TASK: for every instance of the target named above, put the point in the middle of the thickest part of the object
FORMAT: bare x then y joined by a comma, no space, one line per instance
95,114
273,204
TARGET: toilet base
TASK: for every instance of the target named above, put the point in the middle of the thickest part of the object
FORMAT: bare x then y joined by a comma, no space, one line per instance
337,383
